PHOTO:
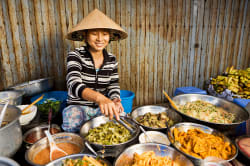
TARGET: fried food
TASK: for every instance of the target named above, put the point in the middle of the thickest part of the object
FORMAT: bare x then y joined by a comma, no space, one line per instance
201,145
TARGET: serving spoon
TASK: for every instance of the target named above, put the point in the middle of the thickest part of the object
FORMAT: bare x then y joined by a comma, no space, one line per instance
3,113
54,148
145,133
170,100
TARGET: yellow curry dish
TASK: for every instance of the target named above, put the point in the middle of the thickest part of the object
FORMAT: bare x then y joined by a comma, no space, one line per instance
207,112
201,145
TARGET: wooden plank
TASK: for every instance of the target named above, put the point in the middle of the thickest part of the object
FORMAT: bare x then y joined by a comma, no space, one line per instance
151,52
74,15
7,74
35,50
16,41
133,47
226,34
137,51
160,61
40,37
123,47
240,25
204,42
142,52
23,49
187,34
127,51
232,33
246,40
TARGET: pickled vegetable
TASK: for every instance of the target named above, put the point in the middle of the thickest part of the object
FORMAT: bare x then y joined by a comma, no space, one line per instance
155,120
109,133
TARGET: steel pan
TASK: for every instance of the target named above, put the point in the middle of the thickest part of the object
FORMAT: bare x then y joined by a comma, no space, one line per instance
242,115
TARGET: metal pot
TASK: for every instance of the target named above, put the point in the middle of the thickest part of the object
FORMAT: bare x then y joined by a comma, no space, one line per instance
34,87
10,134
58,138
108,150
15,97
241,114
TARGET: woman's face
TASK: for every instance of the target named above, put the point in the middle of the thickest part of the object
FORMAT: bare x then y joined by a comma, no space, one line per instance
98,39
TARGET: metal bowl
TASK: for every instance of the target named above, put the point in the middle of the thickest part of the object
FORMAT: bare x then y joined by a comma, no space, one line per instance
37,133
155,110
15,97
186,126
237,144
58,138
242,115
126,157
108,150
5,161
34,87
59,161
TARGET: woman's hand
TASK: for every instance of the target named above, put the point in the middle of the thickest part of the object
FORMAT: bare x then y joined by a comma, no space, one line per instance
118,105
108,107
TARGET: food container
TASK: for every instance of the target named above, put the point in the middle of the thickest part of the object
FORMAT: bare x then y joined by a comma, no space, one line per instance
156,136
241,114
34,87
58,138
29,115
5,161
126,157
14,97
59,161
243,144
11,133
154,110
108,150
186,126
35,134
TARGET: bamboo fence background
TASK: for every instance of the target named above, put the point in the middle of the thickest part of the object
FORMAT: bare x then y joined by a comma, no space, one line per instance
171,43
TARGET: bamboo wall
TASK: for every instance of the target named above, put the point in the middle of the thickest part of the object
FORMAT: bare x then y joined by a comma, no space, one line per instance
171,43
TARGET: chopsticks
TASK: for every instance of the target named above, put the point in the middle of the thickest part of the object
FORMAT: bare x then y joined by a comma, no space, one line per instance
170,100
34,102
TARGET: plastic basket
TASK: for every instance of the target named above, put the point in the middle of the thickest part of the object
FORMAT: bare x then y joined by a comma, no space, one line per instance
190,89
127,98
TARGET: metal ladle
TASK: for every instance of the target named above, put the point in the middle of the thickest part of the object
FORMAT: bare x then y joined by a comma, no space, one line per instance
3,113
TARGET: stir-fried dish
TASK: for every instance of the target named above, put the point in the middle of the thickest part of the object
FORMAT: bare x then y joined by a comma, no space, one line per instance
155,120
201,145
109,133
85,161
206,111
150,159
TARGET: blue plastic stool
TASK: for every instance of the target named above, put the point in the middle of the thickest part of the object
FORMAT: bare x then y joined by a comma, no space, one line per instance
189,89
127,98
241,129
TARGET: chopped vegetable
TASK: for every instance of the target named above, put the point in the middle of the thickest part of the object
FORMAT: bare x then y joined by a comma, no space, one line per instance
109,133
44,107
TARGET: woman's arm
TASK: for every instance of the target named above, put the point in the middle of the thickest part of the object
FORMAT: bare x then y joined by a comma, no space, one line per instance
107,106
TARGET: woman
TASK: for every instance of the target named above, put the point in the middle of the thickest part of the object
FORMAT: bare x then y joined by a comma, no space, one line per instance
92,76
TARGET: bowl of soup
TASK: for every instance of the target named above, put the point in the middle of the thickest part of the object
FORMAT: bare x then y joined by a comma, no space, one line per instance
38,153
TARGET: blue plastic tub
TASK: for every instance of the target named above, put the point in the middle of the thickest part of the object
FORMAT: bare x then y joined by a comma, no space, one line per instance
54,96
127,98
189,89
241,129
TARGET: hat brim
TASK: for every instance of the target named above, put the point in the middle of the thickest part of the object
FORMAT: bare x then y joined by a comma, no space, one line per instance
80,35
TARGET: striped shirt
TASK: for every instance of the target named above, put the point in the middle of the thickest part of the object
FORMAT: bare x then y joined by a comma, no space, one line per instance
81,74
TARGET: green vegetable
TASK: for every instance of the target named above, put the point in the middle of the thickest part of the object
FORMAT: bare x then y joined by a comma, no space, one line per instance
44,107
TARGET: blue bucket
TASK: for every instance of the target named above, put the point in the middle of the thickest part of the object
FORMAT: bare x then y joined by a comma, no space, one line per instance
127,98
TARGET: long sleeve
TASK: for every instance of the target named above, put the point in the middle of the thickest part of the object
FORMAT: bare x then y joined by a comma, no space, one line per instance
75,84
114,87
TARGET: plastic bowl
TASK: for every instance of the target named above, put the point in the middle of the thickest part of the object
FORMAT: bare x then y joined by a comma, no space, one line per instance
27,118
156,136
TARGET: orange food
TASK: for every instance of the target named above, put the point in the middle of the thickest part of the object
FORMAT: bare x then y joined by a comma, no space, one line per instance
42,157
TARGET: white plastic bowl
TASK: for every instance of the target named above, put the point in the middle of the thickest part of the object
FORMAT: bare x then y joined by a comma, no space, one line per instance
156,136
27,118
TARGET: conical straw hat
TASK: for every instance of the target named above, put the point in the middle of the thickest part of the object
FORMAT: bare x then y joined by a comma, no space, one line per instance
96,20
